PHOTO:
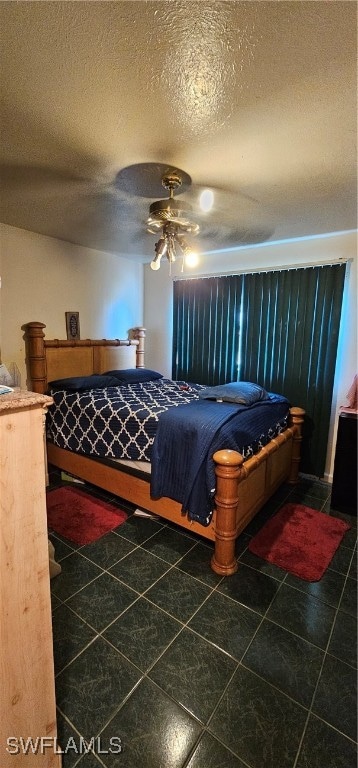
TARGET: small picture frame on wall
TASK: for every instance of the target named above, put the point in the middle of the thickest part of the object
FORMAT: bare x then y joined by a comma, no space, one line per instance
73,325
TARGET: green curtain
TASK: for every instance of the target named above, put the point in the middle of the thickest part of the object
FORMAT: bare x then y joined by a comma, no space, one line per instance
277,328
288,344
206,329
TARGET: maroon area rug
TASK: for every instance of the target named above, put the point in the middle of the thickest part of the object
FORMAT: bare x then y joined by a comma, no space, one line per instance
300,540
79,517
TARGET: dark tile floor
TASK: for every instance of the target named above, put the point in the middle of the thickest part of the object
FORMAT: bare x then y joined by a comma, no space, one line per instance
158,656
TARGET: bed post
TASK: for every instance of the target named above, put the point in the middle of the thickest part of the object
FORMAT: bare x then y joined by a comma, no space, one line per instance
297,416
139,334
36,359
228,467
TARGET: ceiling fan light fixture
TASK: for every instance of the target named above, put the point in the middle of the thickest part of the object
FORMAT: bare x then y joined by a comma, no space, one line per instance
155,264
172,218
161,247
190,256
191,259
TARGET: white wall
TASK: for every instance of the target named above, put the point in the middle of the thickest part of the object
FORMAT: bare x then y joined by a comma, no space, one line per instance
42,278
158,303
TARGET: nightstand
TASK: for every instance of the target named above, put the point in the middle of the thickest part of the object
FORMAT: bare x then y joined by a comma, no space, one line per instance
344,488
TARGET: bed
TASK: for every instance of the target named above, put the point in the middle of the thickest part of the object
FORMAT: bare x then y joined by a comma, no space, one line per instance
241,485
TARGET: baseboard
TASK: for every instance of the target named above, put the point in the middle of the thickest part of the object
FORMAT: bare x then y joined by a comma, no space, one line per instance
327,477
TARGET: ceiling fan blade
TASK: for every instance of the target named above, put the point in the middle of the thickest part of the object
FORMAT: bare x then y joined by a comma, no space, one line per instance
232,219
217,237
145,180
30,181
223,198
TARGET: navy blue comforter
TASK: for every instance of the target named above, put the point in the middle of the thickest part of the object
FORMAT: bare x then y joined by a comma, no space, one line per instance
188,436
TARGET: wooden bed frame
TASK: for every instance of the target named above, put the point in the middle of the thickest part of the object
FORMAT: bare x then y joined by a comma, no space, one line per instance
242,488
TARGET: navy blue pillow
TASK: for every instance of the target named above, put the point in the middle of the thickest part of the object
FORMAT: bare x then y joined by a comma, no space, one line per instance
243,392
134,375
82,383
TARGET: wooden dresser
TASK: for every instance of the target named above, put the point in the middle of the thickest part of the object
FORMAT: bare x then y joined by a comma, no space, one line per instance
27,699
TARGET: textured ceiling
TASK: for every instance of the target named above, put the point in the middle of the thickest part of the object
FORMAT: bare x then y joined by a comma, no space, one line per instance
256,99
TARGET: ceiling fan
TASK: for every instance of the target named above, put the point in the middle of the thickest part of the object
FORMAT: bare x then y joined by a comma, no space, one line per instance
173,219
219,217
121,213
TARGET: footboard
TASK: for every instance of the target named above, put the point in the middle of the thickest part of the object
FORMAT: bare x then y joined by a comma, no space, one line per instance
242,488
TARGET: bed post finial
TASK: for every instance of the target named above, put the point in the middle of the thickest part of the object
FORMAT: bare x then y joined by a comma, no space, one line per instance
139,334
35,356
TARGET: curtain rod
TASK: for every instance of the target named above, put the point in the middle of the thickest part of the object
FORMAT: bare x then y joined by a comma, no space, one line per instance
278,268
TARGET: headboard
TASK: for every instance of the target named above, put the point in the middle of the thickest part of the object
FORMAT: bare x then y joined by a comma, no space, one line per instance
49,359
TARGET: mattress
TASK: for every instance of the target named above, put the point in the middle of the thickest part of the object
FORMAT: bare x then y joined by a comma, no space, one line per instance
115,422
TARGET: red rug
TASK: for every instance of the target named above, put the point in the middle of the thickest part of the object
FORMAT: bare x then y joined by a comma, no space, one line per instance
79,517
300,540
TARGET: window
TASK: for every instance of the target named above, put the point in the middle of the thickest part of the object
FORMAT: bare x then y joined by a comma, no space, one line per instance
278,329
